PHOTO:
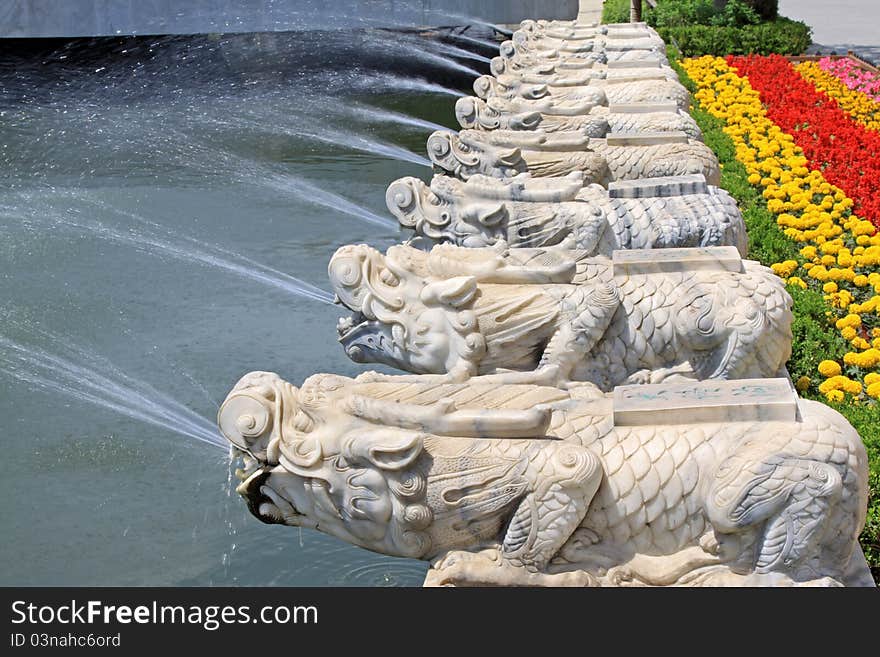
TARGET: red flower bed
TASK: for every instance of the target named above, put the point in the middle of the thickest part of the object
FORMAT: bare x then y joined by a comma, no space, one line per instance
846,153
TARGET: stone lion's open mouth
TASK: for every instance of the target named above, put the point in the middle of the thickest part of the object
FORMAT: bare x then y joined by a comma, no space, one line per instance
249,465
368,340
346,326
262,500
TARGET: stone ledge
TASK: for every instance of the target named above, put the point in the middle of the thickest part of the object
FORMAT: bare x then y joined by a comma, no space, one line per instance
648,62
658,187
656,261
646,138
745,400
641,108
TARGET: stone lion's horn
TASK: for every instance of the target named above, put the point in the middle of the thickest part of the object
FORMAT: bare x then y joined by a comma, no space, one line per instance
535,92
507,49
484,86
346,272
249,413
467,112
402,198
511,157
499,66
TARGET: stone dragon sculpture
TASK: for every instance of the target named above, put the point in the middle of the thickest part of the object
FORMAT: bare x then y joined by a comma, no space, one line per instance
581,53
547,72
494,114
628,89
506,153
544,212
528,485
556,316
632,41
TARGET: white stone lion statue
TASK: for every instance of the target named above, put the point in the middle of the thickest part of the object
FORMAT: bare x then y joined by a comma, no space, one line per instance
554,315
527,485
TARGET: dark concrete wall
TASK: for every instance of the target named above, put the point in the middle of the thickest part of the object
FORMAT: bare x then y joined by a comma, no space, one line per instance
71,18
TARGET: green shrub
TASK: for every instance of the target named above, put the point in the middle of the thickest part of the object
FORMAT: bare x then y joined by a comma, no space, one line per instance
615,11
813,341
782,36
736,13
739,27
670,13
766,9
682,13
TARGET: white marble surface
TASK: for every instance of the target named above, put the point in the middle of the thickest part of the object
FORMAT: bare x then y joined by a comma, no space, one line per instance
505,153
694,183
621,86
527,485
524,211
648,62
641,108
748,400
647,316
645,138
500,114
662,261
567,419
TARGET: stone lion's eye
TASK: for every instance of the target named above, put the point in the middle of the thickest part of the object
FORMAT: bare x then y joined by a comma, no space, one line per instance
465,148
303,423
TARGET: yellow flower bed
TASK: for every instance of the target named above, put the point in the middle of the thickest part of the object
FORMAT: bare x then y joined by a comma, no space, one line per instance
841,252
858,105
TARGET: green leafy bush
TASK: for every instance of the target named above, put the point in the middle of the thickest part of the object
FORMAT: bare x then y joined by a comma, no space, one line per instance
782,36
682,13
615,11
735,13
766,9
740,27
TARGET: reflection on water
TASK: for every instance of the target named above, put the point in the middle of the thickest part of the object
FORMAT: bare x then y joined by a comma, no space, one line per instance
167,210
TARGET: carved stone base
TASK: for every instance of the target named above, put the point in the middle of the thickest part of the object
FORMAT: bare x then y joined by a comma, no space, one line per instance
692,567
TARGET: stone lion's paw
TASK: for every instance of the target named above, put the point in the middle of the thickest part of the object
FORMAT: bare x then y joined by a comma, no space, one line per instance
709,543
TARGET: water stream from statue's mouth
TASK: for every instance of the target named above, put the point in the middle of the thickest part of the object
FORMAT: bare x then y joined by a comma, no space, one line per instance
151,238
83,375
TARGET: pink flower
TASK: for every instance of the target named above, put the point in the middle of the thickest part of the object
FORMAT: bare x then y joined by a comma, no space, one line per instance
848,72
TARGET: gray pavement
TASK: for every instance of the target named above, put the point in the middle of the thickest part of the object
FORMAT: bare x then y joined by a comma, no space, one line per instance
839,25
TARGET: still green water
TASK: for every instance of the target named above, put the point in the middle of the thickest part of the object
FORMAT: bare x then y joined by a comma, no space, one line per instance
117,164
